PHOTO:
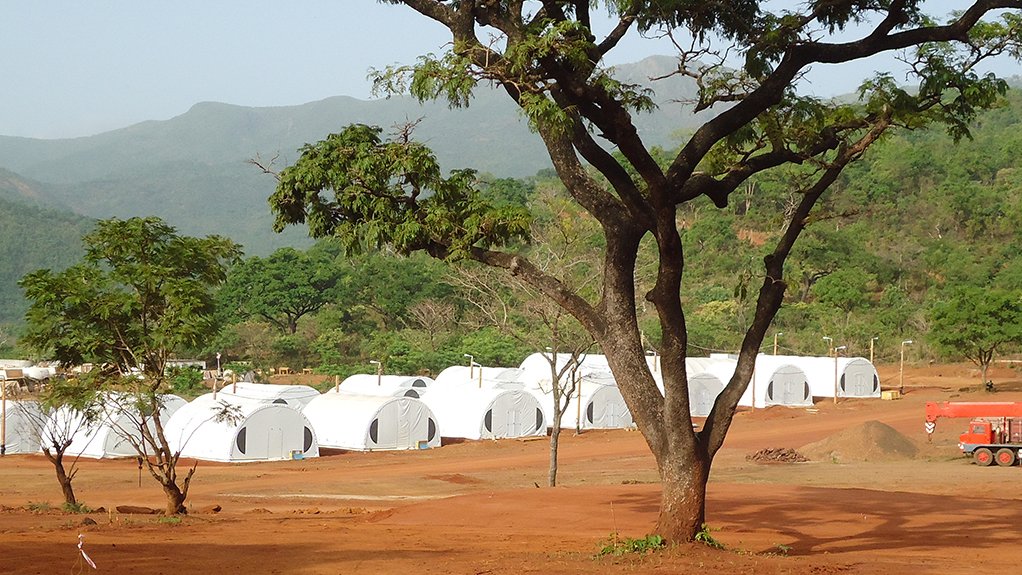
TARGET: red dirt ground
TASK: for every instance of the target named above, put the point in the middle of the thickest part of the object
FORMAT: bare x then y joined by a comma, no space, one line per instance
475,508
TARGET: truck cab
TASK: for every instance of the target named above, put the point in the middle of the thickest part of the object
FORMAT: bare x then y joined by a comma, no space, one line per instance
992,440
980,432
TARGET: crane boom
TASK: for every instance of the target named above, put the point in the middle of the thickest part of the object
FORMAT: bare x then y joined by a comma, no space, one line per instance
935,410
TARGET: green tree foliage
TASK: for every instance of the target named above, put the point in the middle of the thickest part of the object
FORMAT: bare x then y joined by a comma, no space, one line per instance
141,294
550,62
33,237
976,322
281,288
389,193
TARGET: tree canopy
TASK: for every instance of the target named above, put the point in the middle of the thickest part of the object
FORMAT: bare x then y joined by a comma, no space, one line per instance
281,288
975,322
547,58
140,294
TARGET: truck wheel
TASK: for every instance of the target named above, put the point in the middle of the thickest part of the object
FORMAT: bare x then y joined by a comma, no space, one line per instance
1005,457
983,457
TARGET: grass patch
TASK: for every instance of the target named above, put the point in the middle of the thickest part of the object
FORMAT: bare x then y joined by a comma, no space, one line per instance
172,520
782,549
76,507
617,546
39,506
706,538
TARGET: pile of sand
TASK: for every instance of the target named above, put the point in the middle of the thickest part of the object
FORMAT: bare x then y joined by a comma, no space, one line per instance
870,441
776,455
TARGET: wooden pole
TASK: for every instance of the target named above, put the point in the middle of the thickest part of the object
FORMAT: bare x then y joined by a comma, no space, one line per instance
835,377
578,400
3,416
754,381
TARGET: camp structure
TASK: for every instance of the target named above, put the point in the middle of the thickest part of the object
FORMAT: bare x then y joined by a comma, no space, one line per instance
485,413
601,405
778,381
499,377
296,396
706,379
356,422
21,427
774,382
235,429
386,385
117,428
14,363
845,376
536,367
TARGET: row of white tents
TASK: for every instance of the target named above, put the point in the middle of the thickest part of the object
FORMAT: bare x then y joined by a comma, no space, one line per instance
253,422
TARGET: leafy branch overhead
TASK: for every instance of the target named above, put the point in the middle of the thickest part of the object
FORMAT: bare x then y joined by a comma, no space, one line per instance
747,58
370,193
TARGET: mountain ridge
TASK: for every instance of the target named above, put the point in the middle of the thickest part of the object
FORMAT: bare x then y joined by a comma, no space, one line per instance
193,169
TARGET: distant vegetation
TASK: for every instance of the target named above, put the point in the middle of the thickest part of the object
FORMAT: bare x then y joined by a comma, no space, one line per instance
918,218
33,237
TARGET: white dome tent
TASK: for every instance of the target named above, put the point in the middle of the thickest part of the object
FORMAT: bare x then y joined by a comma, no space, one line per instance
493,377
474,413
536,367
775,381
601,406
386,385
115,430
356,422
855,376
706,379
296,396
252,431
779,381
22,427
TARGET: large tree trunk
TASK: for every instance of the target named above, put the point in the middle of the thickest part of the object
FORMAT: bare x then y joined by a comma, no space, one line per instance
683,479
175,500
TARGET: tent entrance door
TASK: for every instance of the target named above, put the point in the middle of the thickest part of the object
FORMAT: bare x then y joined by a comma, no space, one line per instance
403,433
513,428
275,443
862,386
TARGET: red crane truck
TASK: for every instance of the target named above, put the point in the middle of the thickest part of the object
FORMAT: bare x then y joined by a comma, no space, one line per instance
994,434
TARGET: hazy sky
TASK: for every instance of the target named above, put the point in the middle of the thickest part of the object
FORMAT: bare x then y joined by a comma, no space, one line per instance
76,67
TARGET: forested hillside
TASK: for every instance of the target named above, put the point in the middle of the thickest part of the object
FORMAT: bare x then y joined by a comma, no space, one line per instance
193,170
918,218
33,237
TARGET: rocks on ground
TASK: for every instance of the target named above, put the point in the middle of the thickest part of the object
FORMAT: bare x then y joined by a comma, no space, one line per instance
776,455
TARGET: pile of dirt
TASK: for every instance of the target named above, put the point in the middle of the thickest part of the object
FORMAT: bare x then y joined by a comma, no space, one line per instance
869,441
776,455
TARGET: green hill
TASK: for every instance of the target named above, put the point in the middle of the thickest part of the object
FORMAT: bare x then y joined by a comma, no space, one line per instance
32,237
192,170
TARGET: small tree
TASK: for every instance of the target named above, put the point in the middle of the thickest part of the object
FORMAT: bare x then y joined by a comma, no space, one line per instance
62,410
975,322
281,288
562,241
141,294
